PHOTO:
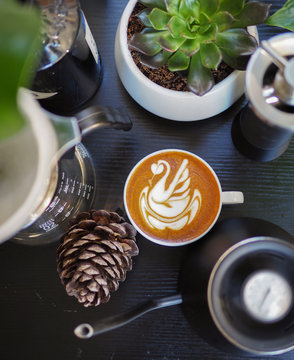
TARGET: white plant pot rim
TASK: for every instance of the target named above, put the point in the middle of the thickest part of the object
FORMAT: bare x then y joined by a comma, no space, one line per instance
46,140
172,104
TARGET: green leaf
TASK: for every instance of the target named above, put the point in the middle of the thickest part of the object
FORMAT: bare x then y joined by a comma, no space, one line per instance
145,42
143,17
209,35
194,27
209,7
169,43
210,55
204,28
19,45
178,28
205,23
172,6
190,47
200,79
160,4
189,9
224,20
159,19
284,17
236,42
238,63
253,13
178,62
204,19
232,6
156,61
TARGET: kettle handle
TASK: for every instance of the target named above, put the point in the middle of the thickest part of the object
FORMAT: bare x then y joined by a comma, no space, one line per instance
86,331
98,116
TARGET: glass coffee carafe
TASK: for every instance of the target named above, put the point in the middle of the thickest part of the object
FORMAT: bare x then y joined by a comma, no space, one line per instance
47,175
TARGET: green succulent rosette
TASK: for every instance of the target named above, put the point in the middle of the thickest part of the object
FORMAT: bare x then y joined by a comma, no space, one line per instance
195,36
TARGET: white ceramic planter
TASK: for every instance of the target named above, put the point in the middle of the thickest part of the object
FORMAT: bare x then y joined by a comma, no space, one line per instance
171,104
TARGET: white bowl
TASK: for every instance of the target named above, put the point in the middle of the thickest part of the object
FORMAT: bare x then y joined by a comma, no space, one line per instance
172,104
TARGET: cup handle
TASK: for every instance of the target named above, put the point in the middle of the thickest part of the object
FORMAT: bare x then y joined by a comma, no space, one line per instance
232,197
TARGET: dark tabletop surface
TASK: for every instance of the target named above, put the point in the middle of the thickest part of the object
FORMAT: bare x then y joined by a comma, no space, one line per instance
37,317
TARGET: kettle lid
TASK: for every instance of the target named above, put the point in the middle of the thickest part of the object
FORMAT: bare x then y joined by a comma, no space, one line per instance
250,295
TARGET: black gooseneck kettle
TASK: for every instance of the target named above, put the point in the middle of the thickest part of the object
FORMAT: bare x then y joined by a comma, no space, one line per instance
236,289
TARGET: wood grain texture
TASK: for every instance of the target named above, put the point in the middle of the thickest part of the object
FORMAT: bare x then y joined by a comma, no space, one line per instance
37,317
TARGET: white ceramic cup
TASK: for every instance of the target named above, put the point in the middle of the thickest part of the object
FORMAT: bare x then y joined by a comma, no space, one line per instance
181,182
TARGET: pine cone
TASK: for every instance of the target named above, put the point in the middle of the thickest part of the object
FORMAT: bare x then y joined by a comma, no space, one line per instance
95,254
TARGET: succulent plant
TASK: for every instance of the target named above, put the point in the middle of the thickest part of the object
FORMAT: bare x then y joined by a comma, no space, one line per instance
195,36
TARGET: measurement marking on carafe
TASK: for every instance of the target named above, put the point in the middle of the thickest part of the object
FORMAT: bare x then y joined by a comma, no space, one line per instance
48,225
55,201
66,186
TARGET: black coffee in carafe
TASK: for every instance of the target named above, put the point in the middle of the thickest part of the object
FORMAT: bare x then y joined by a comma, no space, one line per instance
70,70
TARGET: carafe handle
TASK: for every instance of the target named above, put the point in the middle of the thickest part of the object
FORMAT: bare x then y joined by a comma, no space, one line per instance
70,130
97,116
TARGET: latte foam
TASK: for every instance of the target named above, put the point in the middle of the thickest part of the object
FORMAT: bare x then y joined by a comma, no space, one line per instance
173,206
172,196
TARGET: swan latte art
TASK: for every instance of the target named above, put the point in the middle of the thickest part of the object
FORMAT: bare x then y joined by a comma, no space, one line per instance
172,196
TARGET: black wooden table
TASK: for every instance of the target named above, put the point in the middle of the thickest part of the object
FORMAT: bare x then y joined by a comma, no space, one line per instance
37,317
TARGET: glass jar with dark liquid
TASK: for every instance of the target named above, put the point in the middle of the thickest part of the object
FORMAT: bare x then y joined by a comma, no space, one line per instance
70,69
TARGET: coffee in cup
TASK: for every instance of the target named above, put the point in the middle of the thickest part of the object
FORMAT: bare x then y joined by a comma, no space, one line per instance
174,197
